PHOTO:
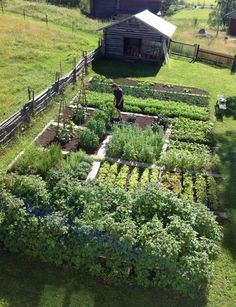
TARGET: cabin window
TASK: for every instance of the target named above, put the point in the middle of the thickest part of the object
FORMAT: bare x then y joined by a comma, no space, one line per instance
132,47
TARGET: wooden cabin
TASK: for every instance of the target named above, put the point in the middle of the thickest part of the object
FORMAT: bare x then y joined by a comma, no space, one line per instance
232,23
109,8
143,36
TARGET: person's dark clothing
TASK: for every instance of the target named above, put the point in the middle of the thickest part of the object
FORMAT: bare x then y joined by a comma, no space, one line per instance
118,96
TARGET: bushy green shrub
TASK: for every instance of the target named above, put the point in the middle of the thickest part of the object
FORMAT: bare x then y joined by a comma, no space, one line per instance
135,144
88,140
98,126
38,161
169,243
31,189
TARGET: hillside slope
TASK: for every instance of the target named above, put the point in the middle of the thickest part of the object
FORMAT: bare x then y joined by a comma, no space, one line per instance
31,51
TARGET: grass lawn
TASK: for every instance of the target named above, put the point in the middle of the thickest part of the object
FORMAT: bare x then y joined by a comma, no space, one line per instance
201,2
187,31
31,52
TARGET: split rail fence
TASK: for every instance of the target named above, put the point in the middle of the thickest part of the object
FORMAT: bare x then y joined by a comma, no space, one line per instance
40,102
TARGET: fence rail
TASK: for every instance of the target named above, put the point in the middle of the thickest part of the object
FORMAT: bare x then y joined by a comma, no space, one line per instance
196,53
41,101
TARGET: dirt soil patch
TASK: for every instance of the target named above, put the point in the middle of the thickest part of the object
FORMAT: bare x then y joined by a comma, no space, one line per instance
165,87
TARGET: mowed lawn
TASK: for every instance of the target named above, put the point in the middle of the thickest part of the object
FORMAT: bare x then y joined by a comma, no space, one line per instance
189,21
31,53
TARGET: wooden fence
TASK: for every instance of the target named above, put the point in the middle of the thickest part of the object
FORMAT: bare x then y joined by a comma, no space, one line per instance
196,53
40,102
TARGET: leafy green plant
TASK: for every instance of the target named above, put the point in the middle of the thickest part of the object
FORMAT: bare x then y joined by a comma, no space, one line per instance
111,176
122,177
153,106
146,90
64,134
133,181
154,175
104,171
134,144
88,140
79,115
36,160
201,190
184,129
97,126
188,186
144,178
172,181
212,193
188,160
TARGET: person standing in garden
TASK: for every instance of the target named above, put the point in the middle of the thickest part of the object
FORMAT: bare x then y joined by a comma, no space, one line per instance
118,99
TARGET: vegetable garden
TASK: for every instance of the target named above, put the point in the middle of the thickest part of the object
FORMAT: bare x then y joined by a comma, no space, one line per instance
146,217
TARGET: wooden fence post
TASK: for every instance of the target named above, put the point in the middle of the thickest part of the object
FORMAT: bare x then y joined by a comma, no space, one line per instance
33,103
46,19
197,47
233,68
24,13
74,71
86,62
57,82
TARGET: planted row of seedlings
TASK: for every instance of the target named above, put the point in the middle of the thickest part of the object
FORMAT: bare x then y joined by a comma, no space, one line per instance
127,177
194,187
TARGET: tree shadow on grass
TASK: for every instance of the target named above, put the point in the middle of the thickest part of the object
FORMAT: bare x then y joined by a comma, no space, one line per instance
227,154
28,282
116,69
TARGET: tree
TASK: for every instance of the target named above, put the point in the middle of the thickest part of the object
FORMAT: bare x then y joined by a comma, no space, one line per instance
217,17
3,4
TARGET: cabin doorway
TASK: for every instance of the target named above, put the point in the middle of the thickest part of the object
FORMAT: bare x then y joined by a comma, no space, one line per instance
132,47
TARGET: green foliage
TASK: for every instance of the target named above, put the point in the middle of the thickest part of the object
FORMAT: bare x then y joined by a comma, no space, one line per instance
134,144
88,140
31,189
64,134
172,181
212,193
144,178
146,90
187,160
200,187
38,161
194,131
103,172
111,176
154,175
152,106
133,180
97,126
79,115
151,231
188,186
122,177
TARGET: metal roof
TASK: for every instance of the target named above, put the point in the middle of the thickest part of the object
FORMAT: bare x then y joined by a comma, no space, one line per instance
152,20
231,15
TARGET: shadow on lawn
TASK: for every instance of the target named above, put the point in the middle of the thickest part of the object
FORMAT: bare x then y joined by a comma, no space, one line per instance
120,69
227,154
27,282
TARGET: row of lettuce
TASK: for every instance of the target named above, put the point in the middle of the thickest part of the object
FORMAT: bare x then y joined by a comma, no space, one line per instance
147,89
193,187
146,236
